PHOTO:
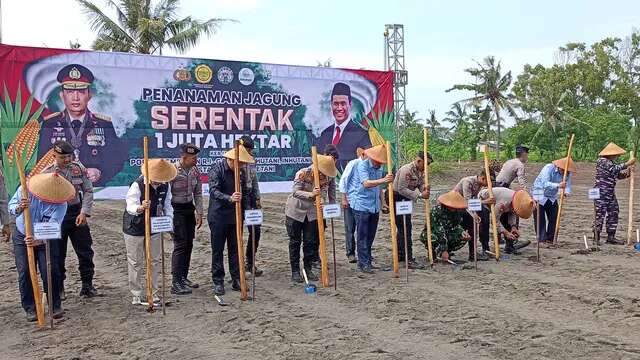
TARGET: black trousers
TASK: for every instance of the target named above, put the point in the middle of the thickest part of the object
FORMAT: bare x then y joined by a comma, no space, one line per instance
400,234
548,217
222,234
184,231
82,245
253,231
301,233
485,224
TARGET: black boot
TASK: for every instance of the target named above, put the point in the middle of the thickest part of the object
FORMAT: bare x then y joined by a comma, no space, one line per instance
509,248
88,291
296,278
189,284
249,268
178,288
611,239
218,289
235,285
311,275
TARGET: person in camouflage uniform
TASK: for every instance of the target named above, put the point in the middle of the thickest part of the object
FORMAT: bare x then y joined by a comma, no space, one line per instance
447,232
607,174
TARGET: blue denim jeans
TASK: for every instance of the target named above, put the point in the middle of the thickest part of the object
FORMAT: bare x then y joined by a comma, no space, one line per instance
24,279
350,231
366,226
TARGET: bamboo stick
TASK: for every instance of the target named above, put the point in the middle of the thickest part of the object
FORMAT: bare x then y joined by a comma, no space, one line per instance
147,226
631,188
324,271
562,191
335,266
427,203
239,240
33,274
494,226
392,214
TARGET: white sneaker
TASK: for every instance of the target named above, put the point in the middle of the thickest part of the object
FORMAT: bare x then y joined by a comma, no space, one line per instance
136,300
156,300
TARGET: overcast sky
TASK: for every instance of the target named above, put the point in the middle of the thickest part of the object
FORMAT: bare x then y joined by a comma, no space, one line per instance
441,37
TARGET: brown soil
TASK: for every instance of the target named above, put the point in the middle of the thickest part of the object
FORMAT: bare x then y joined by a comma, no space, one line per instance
569,306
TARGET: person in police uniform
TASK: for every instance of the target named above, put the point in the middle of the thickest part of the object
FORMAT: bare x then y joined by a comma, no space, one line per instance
92,136
186,200
74,226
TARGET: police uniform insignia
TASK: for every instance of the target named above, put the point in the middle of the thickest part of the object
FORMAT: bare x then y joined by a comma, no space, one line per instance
74,73
94,152
52,115
101,117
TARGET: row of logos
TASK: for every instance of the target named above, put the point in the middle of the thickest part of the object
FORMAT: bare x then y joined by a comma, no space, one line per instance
204,74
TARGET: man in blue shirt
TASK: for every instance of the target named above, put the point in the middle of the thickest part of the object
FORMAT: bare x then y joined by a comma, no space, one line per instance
550,182
349,219
366,201
47,202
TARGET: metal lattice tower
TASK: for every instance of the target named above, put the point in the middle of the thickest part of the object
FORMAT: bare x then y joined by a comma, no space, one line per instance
394,60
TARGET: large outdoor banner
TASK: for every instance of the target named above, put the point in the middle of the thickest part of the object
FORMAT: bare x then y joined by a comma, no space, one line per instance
103,104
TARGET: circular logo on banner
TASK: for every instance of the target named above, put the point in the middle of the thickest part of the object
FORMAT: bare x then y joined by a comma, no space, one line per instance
225,75
203,73
182,75
246,76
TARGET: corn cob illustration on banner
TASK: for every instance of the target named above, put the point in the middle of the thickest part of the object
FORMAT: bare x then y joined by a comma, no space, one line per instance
48,159
27,139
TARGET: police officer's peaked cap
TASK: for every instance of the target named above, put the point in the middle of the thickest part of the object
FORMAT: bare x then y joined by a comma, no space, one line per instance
189,148
62,147
75,76
521,149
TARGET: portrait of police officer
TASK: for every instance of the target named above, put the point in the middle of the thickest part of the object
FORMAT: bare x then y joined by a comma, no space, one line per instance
92,136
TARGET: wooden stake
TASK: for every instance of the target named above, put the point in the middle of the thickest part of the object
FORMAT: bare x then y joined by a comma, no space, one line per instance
33,274
427,203
406,248
631,188
164,286
335,266
239,240
392,214
476,233
324,272
538,237
253,263
49,281
494,227
562,191
147,226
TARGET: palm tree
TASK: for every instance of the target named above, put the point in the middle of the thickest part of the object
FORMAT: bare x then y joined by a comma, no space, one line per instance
457,115
145,28
491,87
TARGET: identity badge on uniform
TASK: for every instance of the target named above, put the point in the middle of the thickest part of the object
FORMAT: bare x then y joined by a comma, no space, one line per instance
474,205
253,217
538,194
594,194
331,211
46,231
404,207
161,224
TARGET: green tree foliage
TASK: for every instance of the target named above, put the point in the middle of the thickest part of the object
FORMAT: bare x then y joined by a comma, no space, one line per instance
145,28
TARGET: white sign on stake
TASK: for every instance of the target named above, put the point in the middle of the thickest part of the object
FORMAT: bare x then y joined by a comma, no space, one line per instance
594,194
253,217
538,194
46,231
331,211
404,207
161,224
474,205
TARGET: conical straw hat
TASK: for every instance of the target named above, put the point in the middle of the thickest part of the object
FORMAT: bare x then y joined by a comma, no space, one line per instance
612,150
51,188
377,153
327,165
522,204
453,199
244,155
561,163
160,170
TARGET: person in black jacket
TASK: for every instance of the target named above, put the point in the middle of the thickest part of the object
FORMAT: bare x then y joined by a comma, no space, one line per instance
345,134
221,216
160,173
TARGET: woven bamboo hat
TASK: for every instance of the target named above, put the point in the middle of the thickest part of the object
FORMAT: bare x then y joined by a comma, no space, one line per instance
51,188
160,170
244,155
522,204
560,163
327,165
453,199
612,150
377,153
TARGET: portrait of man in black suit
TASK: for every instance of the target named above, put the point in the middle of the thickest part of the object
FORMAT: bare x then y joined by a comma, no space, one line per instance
345,134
